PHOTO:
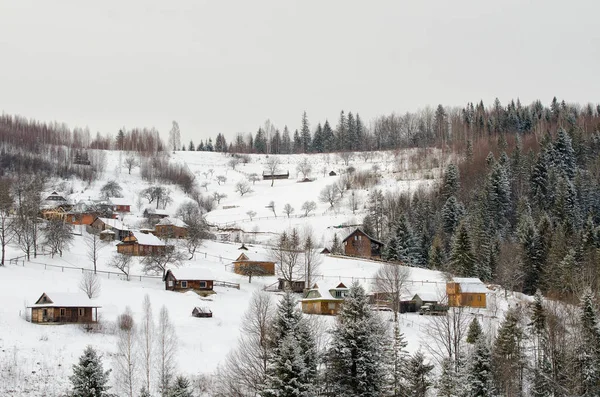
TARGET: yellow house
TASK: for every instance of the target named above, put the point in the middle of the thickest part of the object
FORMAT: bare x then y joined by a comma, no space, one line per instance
324,300
466,292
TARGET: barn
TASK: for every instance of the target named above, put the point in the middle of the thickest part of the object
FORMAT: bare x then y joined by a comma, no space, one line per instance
121,231
186,279
65,308
171,228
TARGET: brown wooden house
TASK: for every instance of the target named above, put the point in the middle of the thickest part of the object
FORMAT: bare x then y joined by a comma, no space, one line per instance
120,204
267,266
64,308
359,243
466,292
202,312
171,228
140,244
324,299
294,286
84,218
186,279
155,214
268,177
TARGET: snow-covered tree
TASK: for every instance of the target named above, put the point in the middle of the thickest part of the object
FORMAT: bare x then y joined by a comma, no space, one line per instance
462,258
480,380
89,378
181,388
418,375
588,351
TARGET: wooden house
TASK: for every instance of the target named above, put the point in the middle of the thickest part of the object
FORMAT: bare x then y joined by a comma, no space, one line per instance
120,204
275,176
296,286
171,228
107,235
139,244
267,266
54,200
324,300
202,312
64,308
82,218
121,231
358,243
325,251
155,214
424,298
466,292
186,279
332,173
53,214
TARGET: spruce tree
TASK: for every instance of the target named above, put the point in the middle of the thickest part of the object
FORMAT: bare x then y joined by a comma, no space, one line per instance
452,213
475,331
89,378
508,354
451,181
181,388
418,375
336,246
480,380
356,349
589,349
329,143
397,358
305,134
462,258
564,155
402,245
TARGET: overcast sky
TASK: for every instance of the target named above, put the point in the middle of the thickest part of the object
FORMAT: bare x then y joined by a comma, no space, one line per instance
224,66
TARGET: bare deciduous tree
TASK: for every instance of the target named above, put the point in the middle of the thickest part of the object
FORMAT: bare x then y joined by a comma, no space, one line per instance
221,179
205,184
251,214
346,157
308,207
94,244
122,262
273,163
125,359
391,280
329,194
445,336
130,163
304,167
90,284
158,262
7,221
147,341
288,209
167,350
312,260
272,207
252,270
57,236
111,189
233,163
253,177
242,187
354,201
219,196
287,254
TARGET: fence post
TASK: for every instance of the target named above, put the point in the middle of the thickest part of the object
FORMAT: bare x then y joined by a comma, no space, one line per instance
63,269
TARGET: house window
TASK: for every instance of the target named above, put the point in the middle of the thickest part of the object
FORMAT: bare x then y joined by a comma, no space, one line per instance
479,298
81,312
62,312
202,284
170,283
184,284
340,294
331,306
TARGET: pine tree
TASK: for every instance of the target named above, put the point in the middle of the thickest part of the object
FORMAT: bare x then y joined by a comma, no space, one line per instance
286,142
305,134
452,213
402,245
181,388
475,331
89,378
342,142
397,358
508,354
589,348
352,134
329,143
451,182
336,247
418,375
480,380
191,146
356,349
318,143
499,196
462,258
297,144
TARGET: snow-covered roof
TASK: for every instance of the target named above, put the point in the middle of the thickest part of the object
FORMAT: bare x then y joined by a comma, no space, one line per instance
192,273
255,256
114,223
148,239
119,201
151,210
324,291
63,299
427,296
107,231
172,222
471,285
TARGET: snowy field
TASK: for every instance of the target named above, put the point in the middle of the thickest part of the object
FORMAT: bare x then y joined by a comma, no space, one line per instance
35,360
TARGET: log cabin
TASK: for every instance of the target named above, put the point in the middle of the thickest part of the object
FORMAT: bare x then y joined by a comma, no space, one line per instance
121,231
324,299
202,312
140,244
268,177
187,279
359,243
243,261
171,228
466,292
65,308
120,204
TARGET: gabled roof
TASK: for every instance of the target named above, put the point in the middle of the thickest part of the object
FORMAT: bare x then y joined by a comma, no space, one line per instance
62,299
172,222
146,239
151,210
253,257
114,223
361,231
325,291
471,285
119,201
427,296
190,273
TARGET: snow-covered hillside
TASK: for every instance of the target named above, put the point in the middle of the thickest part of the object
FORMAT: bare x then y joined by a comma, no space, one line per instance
42,355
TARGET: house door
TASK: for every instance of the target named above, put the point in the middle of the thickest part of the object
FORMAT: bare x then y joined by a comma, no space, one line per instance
44,315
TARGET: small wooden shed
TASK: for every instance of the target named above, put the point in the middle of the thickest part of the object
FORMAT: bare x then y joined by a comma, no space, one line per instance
275,176
65,308
171,228
189,279
121,231
201,312
244,260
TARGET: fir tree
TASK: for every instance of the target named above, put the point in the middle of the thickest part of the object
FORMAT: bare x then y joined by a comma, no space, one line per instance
480,380
452,213
305,134
329,144
462,258
564,155
451,181
297,144
398,357
356,349
191,146
589,348
286,371
318,143
499,197
181,388
475,331
402,245
144,392
336,247
418,374
89,378
508,354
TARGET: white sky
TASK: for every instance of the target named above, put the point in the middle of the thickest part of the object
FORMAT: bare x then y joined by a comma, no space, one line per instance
224,66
